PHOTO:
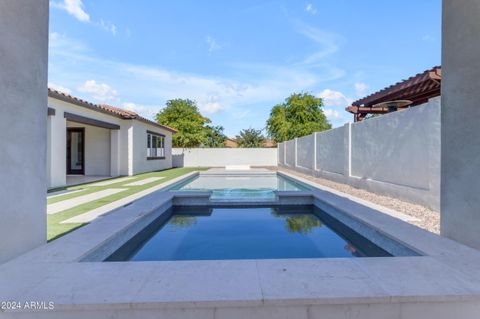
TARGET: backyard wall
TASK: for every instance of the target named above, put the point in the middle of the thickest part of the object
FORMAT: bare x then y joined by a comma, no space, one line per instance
219,157
397,154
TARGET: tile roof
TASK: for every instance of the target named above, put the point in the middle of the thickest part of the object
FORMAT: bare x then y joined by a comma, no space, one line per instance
418,89
105,108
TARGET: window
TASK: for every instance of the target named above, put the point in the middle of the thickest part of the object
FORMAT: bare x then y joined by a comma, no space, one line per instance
155,145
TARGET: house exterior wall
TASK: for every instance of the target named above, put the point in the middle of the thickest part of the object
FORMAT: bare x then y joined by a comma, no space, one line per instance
107,152
97,143
396,154
23,125
140,163
97,149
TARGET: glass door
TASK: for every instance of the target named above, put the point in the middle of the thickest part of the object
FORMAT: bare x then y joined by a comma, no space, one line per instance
76,151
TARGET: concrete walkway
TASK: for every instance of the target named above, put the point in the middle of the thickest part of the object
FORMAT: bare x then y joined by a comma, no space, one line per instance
144,181
112,181
77,201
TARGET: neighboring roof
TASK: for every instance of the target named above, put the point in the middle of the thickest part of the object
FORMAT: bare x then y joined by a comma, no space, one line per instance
418,89
230,142
269,143
105,108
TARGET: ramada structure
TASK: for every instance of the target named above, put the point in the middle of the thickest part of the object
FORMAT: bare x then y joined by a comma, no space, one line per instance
87,141
414,91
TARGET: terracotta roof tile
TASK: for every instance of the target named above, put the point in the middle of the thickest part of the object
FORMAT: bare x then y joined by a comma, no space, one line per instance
104,108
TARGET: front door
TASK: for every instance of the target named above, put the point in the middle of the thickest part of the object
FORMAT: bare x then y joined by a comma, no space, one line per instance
76,151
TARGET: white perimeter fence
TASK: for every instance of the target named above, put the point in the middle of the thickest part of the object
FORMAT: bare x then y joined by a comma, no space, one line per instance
397,154
220,157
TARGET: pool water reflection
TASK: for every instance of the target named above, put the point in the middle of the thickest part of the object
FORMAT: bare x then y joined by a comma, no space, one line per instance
197,233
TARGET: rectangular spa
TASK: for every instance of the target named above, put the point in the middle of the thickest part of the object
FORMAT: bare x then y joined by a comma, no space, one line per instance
239,186
219,233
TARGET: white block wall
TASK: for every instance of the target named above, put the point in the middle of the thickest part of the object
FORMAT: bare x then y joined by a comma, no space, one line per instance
220,157
397,154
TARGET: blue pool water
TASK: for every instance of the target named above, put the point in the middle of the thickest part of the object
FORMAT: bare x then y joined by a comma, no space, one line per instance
239,187
199,233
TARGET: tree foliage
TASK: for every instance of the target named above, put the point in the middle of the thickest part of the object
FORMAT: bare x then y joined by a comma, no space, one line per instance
301,114
250,138
214,136
184,116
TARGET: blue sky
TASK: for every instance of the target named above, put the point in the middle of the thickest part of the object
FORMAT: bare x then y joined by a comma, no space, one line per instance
237,59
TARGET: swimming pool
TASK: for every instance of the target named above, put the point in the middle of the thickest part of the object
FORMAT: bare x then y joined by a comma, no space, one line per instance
238,186
219,233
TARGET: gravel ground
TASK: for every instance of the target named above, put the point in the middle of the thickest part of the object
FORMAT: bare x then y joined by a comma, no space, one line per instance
428,219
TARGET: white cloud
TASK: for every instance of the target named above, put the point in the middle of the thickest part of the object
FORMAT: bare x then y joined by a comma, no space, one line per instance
334,98
213,45
211,107
146,111
310,8
335,103
59,88
74,8
332,114
329,43
243,87
108,26
210,104
360,89
100,91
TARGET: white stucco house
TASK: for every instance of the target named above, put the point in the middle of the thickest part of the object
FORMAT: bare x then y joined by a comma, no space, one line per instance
87,141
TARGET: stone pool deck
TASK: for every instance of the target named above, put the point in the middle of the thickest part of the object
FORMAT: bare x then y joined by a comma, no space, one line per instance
443,283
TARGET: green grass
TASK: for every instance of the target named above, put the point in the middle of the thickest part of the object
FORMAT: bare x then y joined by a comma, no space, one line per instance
56,230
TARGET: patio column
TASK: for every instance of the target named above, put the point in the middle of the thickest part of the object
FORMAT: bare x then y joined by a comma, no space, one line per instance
114,152
460,159
23,125
57,140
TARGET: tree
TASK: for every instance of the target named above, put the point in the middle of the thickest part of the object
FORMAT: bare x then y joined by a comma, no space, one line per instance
301,114
184,116
250,138
214,136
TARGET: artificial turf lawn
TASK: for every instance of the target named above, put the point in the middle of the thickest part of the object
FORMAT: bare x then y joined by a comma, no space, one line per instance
56,230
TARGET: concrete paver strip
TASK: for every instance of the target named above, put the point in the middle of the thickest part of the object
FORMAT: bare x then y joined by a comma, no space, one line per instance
94,213
144,181
63,192
112,181
73,202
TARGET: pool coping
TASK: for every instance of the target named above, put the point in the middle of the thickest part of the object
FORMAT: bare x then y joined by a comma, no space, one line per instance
448,272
